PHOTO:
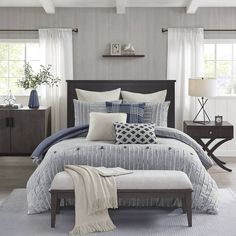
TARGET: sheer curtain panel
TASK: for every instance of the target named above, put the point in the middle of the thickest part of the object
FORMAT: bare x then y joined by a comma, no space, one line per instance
184,61
56,49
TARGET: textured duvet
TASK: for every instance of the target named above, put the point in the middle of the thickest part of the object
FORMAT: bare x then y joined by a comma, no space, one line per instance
175,151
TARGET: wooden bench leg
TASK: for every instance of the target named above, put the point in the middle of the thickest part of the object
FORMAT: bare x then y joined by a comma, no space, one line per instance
188,197
58,205
184,204
53,208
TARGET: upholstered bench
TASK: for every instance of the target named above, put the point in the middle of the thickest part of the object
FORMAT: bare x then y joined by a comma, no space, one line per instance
144,183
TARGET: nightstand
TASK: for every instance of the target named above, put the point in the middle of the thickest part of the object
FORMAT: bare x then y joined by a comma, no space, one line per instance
224,132
21,130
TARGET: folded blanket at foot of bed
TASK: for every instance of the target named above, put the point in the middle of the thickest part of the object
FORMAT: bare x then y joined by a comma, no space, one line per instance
94,194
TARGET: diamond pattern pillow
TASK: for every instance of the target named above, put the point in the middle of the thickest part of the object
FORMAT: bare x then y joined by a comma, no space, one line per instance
134,112
135,133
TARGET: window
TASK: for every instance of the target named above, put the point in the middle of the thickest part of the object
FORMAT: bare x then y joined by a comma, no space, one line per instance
220,62
13,56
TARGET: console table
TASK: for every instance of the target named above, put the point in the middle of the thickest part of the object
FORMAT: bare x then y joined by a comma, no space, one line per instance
212,132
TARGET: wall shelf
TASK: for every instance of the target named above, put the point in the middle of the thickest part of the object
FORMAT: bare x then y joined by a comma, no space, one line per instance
138,55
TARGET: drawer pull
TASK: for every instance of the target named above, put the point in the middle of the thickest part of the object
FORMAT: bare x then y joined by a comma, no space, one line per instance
210,132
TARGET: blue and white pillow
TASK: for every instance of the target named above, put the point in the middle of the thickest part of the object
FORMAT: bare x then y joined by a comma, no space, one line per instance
83,109
135,133
134,112
156,113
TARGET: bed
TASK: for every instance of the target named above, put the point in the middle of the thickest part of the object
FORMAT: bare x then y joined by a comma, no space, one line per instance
175,151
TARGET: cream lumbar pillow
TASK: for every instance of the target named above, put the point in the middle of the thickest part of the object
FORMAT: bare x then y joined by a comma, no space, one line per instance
91,96
101,125
157,97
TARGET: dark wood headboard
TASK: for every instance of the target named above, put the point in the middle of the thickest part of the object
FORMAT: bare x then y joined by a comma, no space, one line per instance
138,86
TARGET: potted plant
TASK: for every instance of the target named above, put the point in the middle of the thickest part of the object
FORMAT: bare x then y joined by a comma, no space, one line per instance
33,80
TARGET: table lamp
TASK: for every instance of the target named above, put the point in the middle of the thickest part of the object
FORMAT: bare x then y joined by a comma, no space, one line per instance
203,88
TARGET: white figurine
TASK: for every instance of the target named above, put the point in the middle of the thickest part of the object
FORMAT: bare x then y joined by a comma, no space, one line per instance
10,99
128,49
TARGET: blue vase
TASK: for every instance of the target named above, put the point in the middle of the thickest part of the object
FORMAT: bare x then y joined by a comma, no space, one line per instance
33,99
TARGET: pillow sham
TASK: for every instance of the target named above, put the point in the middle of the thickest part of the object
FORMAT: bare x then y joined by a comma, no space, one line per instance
135,133
156,113
82,110
157,97
101,125
92,96
134,111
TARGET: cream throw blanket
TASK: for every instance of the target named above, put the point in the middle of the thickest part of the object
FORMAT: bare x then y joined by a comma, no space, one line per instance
94,194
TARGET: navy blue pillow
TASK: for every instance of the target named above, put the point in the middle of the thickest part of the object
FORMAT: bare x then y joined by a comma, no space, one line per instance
134,112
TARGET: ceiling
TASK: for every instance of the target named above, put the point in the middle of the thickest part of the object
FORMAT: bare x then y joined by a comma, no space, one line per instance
120,5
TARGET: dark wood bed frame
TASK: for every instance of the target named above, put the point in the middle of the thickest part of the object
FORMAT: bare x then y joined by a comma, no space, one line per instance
137,86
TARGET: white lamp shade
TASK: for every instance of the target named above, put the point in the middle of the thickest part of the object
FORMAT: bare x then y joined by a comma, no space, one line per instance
199,87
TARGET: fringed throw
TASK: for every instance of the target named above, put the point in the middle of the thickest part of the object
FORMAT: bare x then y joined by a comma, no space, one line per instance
94,194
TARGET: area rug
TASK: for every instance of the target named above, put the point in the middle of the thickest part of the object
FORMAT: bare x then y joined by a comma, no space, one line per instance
14,220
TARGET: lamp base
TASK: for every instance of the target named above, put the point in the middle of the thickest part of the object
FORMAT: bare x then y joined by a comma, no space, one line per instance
202,103
201,122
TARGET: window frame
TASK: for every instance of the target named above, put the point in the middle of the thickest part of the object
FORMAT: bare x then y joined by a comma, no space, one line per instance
25,41
220,41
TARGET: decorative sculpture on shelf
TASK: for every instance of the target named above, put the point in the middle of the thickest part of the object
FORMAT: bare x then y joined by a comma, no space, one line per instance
10,99
128,49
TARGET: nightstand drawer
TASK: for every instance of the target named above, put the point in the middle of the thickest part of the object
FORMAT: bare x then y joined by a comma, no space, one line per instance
210,132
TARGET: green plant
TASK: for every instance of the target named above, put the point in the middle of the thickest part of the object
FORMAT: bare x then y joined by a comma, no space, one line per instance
33,80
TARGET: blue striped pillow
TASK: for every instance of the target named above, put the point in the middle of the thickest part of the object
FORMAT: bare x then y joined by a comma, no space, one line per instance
134,112
156,113
83,109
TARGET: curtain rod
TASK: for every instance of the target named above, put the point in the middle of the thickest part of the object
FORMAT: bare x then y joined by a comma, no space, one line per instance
163,30
31,30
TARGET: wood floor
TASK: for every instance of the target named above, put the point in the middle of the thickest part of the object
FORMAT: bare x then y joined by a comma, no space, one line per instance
223,178
15,171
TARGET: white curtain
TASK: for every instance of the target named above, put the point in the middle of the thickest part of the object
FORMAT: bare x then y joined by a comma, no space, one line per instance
56,50
185,60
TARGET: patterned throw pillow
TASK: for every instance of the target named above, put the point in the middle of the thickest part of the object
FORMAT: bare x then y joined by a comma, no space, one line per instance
83,109
135,133
156,113
134,112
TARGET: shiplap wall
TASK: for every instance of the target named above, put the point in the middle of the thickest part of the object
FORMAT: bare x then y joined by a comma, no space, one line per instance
100,26
140,26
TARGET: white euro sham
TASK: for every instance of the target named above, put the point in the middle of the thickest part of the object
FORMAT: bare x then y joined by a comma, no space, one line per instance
157,97
92,96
